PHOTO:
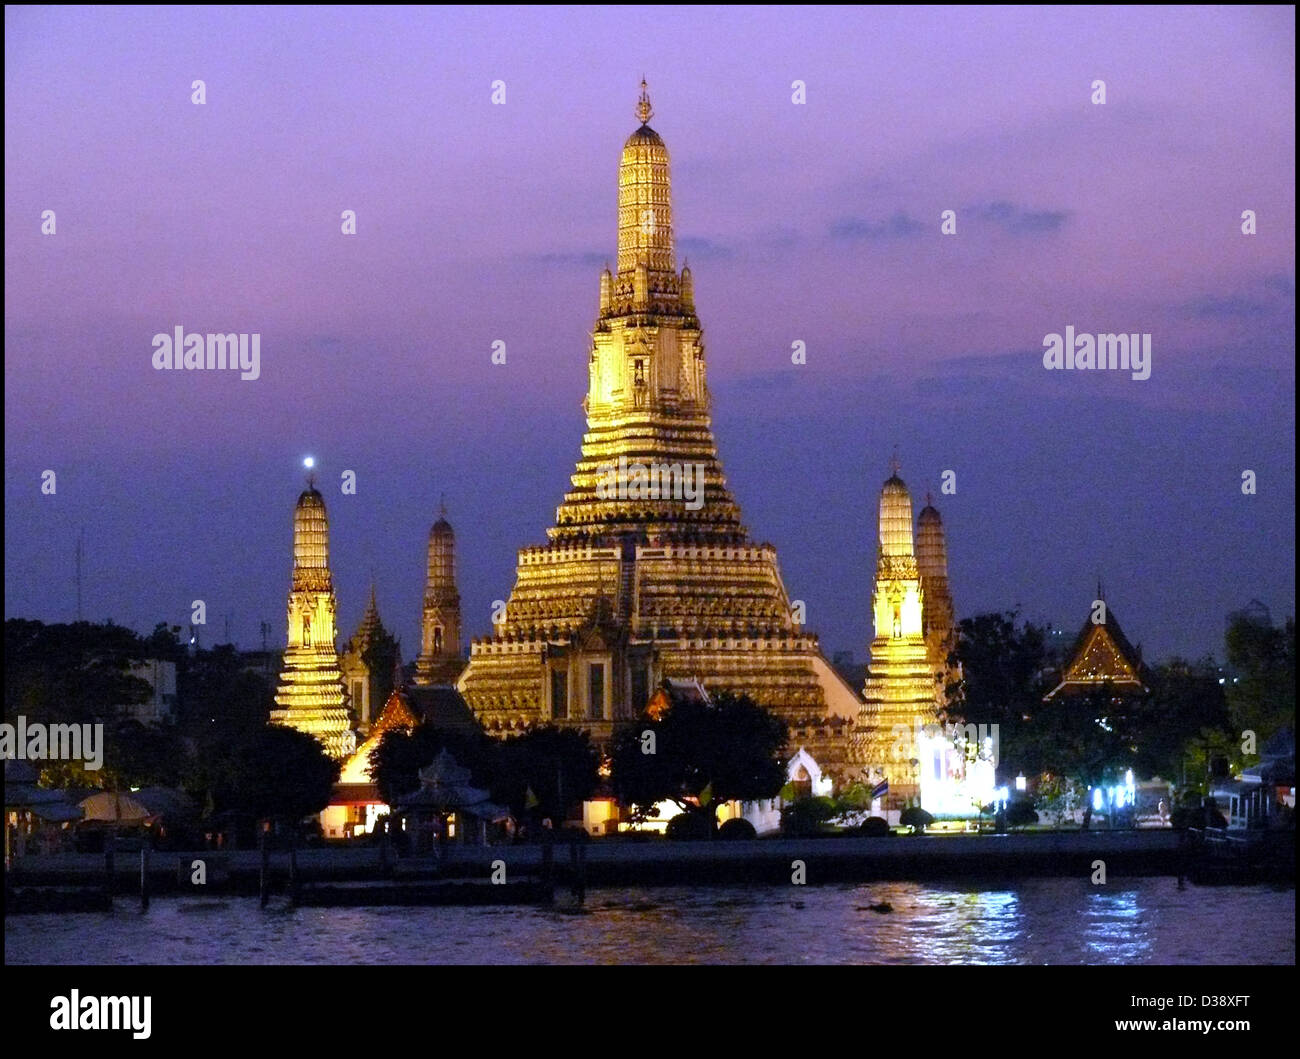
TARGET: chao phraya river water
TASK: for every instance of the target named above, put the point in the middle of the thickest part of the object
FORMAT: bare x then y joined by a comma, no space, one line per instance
1034,921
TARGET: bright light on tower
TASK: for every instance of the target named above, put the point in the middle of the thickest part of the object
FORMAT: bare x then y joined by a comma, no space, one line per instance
309,462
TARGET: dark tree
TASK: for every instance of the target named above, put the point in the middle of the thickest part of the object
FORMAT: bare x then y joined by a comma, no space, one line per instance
397,761
1091,738
700,754
1004,678
275,773
1261,697
559,765
220,697
70,674
144,755
1186,709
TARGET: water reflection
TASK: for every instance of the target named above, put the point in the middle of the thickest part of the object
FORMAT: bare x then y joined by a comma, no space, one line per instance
1036,921
1115,930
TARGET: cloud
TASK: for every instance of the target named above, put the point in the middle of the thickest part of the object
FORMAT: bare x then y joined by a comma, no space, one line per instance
702,249
1281,283
573,258
1213,306
899,226
1258,297
1016,220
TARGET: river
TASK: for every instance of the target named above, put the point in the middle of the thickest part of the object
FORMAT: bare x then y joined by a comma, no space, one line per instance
1035,921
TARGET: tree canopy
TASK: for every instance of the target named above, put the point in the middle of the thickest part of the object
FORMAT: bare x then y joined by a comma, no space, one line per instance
698,754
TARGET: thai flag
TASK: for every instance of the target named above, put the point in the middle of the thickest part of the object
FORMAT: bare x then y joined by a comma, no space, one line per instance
880,789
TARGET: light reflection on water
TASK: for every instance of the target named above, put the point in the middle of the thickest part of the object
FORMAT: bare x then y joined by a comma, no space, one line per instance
1034,921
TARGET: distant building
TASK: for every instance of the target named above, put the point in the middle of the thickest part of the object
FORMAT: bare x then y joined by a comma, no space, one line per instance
262,663
1254,612
1258,797
160,706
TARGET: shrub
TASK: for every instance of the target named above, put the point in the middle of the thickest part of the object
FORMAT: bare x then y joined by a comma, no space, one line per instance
691,825
1021,814
737,829
916,818
806,816
874,827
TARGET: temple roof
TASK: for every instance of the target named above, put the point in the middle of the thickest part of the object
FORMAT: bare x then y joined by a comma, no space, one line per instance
441,706
1101,654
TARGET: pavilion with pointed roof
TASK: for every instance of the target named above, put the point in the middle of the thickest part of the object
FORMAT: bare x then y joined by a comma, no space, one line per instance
1102,656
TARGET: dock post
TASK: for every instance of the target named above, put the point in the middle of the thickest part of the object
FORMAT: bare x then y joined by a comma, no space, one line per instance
109,864
383,849
264,877
578,862
548,867
293,866
144,876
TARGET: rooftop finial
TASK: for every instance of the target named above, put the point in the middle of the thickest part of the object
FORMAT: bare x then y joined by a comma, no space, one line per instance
894,465
311,479
643,110
442,506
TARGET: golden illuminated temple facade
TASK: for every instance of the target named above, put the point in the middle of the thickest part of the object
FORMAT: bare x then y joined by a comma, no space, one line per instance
913,617
310,696
648,572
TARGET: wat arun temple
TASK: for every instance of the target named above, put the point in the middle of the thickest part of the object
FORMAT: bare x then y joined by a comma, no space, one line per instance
648,573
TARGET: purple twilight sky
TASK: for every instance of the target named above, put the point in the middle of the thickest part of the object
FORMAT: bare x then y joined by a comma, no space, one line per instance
479,222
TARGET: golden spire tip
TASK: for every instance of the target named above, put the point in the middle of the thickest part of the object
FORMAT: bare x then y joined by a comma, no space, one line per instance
643,109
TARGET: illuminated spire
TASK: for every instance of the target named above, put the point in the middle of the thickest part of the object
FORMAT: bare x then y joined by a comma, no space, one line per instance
895,516
931,548
311,541
645,213
439,660
900,694
310,694
643,109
